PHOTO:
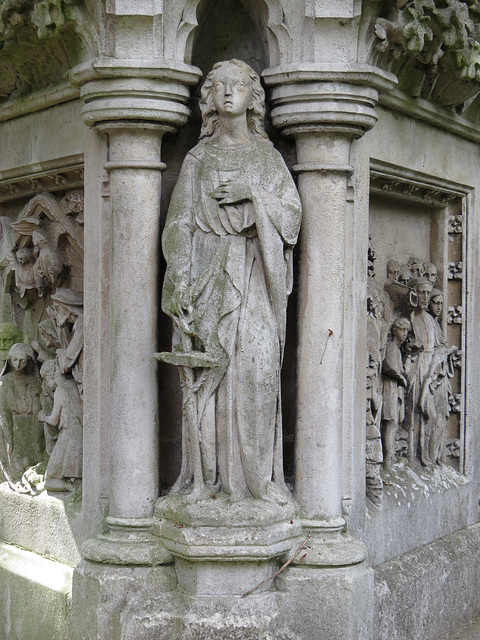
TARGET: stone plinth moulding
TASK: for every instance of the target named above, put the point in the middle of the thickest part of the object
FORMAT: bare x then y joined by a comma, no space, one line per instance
324,107
134,105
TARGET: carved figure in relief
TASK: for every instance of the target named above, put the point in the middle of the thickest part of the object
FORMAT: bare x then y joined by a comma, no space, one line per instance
430,272
376,329
417,268
417,419
48,342
233,221
65,429
67,313
23,442
46,402
393,270
49,263
437,385
411,391
24,271
394,384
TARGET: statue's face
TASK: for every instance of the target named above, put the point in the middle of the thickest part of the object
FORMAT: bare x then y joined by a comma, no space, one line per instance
231,90
401,332
62,314
417,270
423,293
18,361
436,305
46,337
49,378
404,275
431,273
393,270
38,240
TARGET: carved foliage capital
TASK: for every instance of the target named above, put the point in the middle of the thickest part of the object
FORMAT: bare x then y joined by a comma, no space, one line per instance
440,36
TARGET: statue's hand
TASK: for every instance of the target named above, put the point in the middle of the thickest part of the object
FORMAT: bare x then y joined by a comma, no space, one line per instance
231,192
181,309
180,301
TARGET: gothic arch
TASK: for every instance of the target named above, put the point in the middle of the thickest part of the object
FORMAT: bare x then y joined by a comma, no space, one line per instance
269,14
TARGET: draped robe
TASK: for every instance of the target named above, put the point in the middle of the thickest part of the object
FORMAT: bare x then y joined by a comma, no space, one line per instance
236,262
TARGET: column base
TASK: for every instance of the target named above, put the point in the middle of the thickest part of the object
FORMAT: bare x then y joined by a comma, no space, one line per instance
128,542
328,545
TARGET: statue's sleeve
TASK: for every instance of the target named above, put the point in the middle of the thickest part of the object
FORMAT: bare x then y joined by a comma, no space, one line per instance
178,232
278,216
58,400
278,198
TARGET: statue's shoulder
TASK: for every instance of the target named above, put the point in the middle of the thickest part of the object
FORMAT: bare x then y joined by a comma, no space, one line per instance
264,148
197,154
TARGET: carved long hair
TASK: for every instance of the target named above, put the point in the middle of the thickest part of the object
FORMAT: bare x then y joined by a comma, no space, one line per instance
255,111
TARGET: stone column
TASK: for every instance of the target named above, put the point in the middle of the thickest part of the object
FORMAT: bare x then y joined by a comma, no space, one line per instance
324,111
134,112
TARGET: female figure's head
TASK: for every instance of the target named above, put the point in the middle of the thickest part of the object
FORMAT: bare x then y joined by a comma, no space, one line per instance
246,91
20,357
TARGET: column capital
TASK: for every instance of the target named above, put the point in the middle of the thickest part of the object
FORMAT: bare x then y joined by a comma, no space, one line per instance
117,92
321,98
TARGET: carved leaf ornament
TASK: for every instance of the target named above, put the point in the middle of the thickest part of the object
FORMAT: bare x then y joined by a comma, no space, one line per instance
433,31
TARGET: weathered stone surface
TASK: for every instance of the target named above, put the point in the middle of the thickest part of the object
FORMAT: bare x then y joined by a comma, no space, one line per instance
427,593
43,524
42,587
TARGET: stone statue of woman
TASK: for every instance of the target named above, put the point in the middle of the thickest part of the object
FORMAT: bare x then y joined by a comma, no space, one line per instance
22,442
231,227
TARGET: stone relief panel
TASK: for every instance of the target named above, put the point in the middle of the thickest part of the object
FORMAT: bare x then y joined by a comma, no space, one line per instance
41,340
415,332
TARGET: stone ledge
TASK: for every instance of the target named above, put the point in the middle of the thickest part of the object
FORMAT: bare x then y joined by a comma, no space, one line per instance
409,514
44,586
42,524
429,592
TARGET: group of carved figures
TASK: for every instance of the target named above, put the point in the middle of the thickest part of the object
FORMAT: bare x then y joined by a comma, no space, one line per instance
41,387
410,366
41,397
